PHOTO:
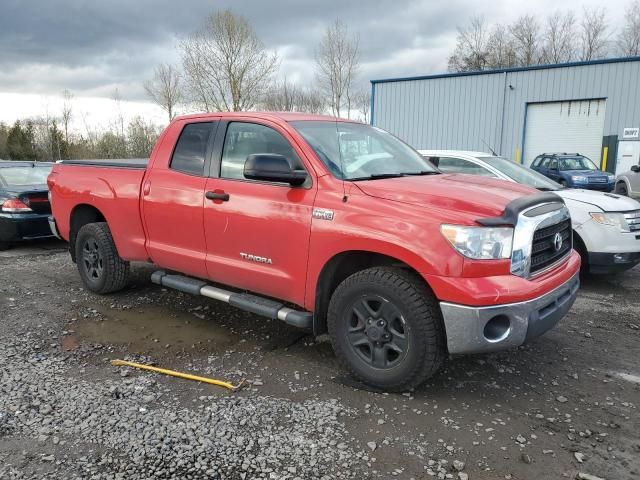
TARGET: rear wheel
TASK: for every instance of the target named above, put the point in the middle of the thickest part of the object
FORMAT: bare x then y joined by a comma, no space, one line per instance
386,328
101,268
621,189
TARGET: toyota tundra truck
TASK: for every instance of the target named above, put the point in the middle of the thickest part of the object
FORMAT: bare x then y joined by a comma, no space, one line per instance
329,225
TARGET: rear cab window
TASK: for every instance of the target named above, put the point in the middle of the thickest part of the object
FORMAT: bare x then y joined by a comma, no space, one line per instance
21,176
191,148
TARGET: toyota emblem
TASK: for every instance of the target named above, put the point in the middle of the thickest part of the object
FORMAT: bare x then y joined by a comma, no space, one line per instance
557,241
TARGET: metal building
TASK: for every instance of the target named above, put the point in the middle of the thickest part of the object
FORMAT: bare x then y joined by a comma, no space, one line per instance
592,108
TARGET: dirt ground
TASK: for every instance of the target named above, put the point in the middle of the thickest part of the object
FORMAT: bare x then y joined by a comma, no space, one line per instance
560,407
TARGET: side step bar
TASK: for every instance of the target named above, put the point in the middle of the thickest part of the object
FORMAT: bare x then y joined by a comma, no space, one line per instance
245,301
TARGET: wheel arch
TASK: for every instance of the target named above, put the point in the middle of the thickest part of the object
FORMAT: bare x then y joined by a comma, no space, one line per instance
341,266
81,215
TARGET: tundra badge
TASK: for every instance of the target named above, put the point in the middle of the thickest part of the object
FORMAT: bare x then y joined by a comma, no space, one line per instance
255,258
322,214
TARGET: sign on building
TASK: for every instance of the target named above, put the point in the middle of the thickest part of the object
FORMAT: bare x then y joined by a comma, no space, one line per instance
631,132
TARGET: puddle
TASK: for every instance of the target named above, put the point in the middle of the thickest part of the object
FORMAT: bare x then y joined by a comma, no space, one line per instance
152,329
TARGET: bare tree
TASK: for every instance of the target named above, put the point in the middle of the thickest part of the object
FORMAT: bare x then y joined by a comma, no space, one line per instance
629,36
559,38
281,97
593,34
226,65
471,52
164,88
67,98
500,48
526,40
363,104
288,97
337,62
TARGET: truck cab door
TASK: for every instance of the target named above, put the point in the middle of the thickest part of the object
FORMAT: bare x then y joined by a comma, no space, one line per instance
257,232
173,197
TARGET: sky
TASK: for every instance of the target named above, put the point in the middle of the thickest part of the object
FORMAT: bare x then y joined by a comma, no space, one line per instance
94,47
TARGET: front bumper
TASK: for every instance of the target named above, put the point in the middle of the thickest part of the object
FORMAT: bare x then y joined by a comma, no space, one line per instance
23,226
486,329
53,227
605,262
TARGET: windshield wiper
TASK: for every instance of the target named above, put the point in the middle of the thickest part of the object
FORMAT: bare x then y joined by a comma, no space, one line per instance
422,172
548,189
375,176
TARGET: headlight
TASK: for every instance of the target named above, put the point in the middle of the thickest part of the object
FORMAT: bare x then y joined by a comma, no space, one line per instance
578,178
480,243
611,177
613,219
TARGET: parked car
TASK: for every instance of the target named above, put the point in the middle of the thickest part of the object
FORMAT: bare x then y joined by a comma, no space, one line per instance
331,225
24,206
628,183
606,227
574,171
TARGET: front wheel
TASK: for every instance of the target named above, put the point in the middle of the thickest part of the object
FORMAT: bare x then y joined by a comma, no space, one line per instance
563,183
386,328
101,268
621,189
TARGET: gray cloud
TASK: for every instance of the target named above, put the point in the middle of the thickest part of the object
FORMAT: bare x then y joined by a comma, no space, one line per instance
92,47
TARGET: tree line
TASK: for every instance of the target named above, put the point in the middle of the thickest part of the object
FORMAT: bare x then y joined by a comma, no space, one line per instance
560,37
225,67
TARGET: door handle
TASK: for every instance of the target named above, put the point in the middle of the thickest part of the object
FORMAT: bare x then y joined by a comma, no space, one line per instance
146,188
217,196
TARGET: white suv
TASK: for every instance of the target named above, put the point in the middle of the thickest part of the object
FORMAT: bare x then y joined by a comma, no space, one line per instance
606,227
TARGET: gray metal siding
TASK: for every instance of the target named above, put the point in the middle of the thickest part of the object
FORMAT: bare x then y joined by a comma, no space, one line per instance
460,112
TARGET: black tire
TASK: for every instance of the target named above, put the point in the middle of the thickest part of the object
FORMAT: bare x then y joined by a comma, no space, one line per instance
412,319
4,246
563,183
101,268
621,189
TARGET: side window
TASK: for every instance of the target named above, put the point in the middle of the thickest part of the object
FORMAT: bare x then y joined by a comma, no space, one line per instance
536,162
433,160
553,164
545,162
244,139
189,154
459,165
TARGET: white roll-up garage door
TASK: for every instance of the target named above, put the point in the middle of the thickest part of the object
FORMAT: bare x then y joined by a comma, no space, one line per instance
573,126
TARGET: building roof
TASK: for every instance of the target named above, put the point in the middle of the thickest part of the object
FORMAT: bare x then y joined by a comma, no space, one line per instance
507,70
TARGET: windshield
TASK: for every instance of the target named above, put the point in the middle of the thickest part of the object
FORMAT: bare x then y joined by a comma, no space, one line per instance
576,163
521,174
25,175
353,151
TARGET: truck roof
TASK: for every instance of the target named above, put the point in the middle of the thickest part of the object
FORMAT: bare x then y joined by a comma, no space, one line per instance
283,116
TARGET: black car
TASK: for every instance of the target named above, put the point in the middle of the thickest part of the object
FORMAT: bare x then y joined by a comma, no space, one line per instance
24,201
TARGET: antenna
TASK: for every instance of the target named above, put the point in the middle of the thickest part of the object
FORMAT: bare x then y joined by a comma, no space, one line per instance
489,147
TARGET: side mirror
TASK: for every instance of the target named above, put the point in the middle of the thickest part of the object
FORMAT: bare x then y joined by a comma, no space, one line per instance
635,168
271,167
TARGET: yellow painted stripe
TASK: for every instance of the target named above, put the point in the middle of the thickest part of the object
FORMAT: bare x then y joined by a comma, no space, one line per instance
605,154
518,155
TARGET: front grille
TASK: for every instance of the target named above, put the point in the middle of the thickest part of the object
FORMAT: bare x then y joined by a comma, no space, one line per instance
544,252
598,179
633,220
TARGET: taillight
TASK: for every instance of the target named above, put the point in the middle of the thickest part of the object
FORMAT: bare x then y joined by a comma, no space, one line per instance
14,206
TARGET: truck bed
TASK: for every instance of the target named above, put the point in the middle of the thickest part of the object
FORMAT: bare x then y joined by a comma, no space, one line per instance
138,163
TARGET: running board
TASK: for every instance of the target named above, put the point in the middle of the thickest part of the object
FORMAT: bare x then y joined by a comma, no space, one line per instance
245,301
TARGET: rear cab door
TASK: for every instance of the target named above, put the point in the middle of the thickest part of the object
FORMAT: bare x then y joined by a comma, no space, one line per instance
173,196
257,232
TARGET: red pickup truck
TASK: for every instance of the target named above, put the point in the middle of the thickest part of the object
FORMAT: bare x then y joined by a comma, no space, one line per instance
329,225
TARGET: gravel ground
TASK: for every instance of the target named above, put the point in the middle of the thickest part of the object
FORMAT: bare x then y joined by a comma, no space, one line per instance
565,406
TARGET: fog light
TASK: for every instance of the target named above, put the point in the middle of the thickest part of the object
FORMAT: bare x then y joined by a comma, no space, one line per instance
621,258
497,329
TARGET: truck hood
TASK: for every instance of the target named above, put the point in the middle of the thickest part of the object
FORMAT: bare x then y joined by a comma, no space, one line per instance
479,196
607,202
